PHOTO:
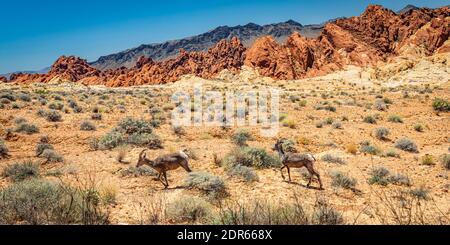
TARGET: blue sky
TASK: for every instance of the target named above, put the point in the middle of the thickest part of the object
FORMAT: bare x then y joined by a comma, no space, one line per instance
35,33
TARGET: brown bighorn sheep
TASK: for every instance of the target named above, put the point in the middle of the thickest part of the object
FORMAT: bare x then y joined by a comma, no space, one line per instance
295,160
165,163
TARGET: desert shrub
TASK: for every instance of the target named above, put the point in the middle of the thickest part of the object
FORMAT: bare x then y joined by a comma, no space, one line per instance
243,172
288,146
149,140
131,131
370,119
189,209
132,171
41,147
392,153
96,116
27,128
56,106
420,193
399,179
51,156
427,160
445,160
250,157
211,185
77,109
87,126
15,106
331,158
72,104
328,121
319,125
111,140
42,101
336,125
395,119
441,105
3,149
382,133
53,116
21,171
406,144
37,201
340,179
241,137
419,127
325,107
19,120
327,215
134,126
379,175
41,113
178,130
380,105
368,148
7,96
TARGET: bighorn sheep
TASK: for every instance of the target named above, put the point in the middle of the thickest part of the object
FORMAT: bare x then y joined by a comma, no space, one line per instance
295,160
165,163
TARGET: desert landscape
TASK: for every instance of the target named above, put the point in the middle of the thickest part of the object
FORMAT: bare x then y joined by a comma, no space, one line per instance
368,97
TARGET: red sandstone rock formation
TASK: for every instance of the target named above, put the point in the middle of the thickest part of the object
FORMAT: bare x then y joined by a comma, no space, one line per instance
377,35
365,40
3,79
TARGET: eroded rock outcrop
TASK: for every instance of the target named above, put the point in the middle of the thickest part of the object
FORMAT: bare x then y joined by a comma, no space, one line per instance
378,35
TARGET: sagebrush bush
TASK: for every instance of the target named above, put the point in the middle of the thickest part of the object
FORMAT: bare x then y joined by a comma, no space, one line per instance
420,193
327,215
27,128
149,140
370,119
243,172
368,148
406,144
51,156
441,105
392,153
380,105
399,179
87,126
241,137
189,209
53,116
395,119
331,158
111,140
178,130
379,175
134,126
21,171
56,106
209,184
382,133
41,202
337,125
340,179
41,147
250,157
